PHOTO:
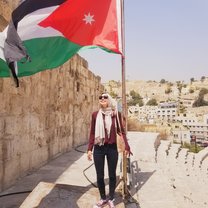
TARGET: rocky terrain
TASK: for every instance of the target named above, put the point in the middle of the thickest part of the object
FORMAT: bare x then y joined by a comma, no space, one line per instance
160,91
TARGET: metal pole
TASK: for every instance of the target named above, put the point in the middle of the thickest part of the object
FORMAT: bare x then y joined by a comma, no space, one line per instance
123,62
124,106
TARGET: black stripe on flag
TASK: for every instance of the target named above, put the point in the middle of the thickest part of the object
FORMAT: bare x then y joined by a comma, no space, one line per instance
14,49
29,6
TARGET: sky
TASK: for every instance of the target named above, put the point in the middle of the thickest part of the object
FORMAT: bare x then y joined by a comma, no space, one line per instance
164,39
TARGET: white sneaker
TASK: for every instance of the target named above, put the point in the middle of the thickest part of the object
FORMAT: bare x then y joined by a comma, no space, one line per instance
101,203
111,203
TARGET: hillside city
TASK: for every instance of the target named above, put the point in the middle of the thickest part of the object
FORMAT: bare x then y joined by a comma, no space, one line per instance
179,110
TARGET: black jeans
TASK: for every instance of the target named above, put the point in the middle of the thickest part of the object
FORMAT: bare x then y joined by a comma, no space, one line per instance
110,152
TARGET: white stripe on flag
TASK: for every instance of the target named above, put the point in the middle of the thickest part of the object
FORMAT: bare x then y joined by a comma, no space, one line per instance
28,27
2,40
16,68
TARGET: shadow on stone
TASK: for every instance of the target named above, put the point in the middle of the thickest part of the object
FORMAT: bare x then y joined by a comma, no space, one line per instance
138,178
48,195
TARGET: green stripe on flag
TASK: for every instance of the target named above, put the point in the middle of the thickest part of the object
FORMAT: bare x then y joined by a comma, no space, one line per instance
45,53
4,69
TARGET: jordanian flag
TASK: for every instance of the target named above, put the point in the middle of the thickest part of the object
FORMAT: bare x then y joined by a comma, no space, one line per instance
43,34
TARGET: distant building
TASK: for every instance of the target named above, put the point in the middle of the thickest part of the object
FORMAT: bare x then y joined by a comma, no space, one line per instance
147,114
133,111
167,111
180,133
144,114
196,128
187,100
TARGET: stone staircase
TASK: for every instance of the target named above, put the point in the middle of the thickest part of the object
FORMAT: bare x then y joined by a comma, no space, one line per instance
187,172
178,179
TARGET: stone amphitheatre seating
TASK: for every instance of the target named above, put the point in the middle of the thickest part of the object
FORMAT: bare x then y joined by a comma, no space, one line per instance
200,157
177,178
188,172
173,154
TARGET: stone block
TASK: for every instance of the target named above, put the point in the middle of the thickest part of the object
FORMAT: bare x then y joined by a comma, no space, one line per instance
1,154
173,151
1,174
182,156
2,125
162,150
24,163
53,148
39,157
11,171
200,156
7,147
11,127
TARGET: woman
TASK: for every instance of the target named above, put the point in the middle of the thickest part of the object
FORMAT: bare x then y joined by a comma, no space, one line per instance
105,124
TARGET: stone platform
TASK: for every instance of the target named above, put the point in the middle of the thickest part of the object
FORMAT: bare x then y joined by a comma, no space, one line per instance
164,176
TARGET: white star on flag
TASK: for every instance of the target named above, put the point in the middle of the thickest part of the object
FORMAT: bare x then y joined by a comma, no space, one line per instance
88,18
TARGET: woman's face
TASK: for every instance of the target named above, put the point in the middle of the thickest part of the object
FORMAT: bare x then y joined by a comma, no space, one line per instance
103,100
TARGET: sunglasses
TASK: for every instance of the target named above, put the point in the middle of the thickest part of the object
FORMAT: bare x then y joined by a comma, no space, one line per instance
103,96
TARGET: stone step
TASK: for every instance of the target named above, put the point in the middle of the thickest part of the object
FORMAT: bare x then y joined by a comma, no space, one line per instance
204,168
199,157
162,149
173,151
182,156
145,141
189,162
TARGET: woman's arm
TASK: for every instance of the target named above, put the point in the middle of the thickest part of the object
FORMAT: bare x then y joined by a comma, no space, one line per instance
122,131
92,132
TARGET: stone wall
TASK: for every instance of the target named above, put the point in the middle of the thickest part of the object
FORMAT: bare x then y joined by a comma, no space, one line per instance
46,116
6,7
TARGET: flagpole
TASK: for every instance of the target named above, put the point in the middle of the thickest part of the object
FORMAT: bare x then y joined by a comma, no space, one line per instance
124,105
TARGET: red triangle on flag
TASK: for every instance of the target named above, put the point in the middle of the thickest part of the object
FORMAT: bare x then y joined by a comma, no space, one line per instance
88,23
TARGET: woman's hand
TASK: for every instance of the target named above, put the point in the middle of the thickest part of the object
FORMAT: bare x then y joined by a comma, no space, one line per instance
128,153
89,155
